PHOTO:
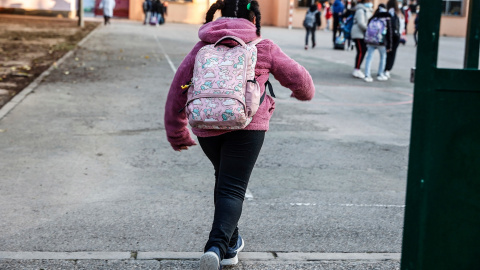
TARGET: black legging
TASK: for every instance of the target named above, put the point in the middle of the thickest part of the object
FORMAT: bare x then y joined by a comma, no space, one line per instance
233,156
361,51
391,54
310,30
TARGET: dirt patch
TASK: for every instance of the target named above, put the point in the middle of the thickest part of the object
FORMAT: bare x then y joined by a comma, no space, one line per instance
29,45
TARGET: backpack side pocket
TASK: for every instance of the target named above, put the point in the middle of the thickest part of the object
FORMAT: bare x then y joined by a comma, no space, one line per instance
252,97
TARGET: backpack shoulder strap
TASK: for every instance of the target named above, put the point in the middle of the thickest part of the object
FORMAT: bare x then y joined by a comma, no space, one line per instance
234,38
255,42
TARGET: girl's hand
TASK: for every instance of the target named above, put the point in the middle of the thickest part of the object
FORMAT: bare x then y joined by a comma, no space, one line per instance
183,147
179,148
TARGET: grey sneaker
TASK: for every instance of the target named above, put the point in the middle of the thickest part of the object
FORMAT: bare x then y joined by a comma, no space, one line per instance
210,260
231,256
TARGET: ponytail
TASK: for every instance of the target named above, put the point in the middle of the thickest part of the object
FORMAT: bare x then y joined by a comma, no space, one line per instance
255,8
237,9
211,12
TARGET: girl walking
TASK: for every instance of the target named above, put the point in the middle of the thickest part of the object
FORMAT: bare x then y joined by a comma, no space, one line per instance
311,22
232,153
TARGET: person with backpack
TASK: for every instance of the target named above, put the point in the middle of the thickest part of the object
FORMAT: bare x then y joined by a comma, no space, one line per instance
311,22
363,12
347,24
147,10
337,10
379,35
219,89
398,26
157,13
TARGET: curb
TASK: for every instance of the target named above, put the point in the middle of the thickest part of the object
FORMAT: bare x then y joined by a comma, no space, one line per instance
247,256
11,104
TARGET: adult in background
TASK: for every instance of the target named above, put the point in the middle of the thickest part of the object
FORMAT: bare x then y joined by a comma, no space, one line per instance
337,10
398,26
107,6
363,12
147,10
311,22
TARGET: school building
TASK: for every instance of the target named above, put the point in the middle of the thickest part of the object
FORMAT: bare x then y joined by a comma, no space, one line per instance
280,13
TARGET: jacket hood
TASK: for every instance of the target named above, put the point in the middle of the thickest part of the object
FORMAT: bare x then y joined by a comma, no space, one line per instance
360,6
242,28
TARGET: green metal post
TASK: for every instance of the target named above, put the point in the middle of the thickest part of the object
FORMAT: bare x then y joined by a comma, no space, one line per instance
442,214
472,43
415,212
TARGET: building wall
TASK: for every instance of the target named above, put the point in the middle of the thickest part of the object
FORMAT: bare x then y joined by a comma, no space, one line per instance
188,12
276,13
63,8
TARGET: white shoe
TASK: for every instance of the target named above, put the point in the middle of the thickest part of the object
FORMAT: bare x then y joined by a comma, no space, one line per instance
357,73
368,79
387,74
382,77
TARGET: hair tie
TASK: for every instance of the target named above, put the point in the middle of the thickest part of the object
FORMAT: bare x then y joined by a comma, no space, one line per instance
248,6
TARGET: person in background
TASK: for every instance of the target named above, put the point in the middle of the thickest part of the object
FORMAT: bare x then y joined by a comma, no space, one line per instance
311,22
337,10
415,34
158,11
363,12
381,42
349,11
328,15
407,14
107,6
398,26
147,10
319,8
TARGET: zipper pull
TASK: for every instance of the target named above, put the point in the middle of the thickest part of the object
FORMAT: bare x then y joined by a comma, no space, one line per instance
186,86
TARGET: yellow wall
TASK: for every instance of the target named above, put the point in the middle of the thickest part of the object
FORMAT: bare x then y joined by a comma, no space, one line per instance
64,8
188,12
276,13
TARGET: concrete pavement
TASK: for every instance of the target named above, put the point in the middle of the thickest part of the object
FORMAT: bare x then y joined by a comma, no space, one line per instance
86,166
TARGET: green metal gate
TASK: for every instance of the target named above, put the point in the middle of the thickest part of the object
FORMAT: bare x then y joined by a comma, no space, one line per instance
442,215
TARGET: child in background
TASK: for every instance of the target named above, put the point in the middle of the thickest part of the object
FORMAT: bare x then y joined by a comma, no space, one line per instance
311,22
378,37
328,15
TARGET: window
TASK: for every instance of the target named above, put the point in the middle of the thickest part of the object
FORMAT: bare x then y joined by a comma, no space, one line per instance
305,3
452,7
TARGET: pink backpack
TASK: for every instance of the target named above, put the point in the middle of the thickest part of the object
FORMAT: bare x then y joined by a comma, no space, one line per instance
224,93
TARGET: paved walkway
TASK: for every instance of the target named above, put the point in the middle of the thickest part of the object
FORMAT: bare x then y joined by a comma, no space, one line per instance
90,182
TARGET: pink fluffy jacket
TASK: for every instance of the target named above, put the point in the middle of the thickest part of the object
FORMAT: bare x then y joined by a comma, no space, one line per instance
271,59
